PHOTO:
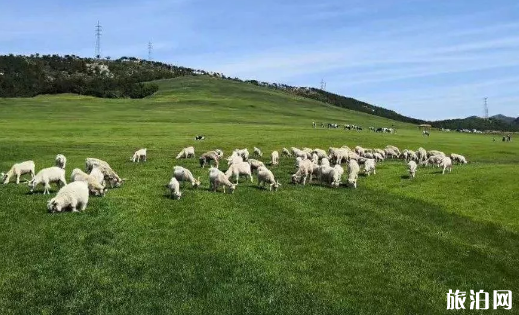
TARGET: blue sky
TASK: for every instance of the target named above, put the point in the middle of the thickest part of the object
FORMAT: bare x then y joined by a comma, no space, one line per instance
422,58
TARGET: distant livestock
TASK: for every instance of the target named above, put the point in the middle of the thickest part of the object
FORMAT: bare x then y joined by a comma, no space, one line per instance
139,155
186,153
18,170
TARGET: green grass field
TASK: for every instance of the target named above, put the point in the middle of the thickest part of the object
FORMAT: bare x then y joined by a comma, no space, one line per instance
392,246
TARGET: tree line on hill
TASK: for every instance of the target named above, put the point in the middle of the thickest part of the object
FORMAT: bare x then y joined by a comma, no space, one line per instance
129,77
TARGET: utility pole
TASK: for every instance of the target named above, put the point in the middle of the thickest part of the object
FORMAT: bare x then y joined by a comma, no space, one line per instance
98,41
323,85
486,108
150,48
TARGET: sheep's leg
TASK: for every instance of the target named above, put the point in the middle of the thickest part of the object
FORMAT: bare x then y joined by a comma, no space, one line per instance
374,171
251,180
83,206
224,189
237,178
47,188
17,179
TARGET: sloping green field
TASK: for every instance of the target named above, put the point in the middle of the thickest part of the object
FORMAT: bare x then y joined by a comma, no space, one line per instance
392,246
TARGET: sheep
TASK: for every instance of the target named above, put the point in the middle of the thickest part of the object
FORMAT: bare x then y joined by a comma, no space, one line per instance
338,154
186,153
411,166
285,152
434,160
234,159
98,175
320,153
359,150
219,153
265,176
378,157
391,153
73,195
46,176
183,174
94,186
325,162
331,175
217,178
368,155
411,156
207,157
381,152
421,154
446,164
274,157
174,188
353,173
257,152
369,166
244,153
305,170
61,161
255,164
104,167
459,159
138,155
435,152
299,153
392,147
19,169
315,158
243,168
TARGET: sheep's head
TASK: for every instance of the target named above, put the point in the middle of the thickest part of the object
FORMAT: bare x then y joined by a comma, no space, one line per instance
295,179
232,188
4,177
53,205
177,195
31,184
197,182
276,185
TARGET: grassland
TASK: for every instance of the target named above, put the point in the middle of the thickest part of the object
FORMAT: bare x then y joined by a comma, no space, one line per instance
392,246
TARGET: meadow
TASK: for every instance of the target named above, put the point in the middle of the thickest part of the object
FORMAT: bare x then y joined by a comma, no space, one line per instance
391,246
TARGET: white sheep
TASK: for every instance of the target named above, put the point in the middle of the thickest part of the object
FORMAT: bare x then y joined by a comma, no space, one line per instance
305,170
186,153
378,157
265,176
138,155
435,153
390,152
368,155
61,161
19,169
320,153
73,195
459,159
325,162
234,159
330,175
274,157
359,150
299,153
217,178
285,152
421,154
353,173
219,153
244,153
183,174
433,160
104,167
46,176
369,166
209,156
242,168
98,175
94,186
91,162
174,188
255,164
381,152
315,158
257,152
411,166
446,164
392,147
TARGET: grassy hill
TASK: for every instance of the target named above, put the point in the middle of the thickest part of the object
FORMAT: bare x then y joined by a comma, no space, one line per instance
392,246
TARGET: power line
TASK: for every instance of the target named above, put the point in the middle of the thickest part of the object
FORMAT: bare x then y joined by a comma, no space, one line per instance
150,48
98,40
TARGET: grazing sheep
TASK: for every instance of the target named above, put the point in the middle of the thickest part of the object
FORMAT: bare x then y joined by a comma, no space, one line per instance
218,178
392,147
305,170
138,155
265,176
243,168
459,159
207,157
219,153
422,154
257,152
368,155
186,153
234,159
433,160
73,195
98,175
94,186
353,173
412,168
378,157
369,166
325,162
19,169
255,164
435,153
61,161
320,153
285,152
446,164
411,156
244,153
315,158
104,167
46,176
359,150
274,157
391,153
174,188
381,152
184,175
330,175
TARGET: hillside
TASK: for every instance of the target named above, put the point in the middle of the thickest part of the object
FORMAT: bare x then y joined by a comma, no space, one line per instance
504,118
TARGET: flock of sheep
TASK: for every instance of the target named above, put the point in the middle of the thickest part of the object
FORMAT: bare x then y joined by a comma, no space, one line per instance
326,166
